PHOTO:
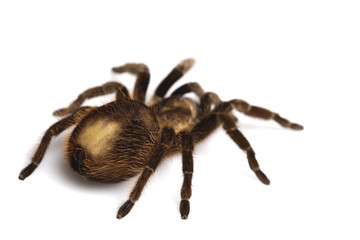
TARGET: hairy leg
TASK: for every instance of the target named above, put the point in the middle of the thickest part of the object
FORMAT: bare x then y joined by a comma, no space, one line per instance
207,99
206,126
258,112
187,88
187,168
171,78
142,78
166,138
109,87
53,131
234,133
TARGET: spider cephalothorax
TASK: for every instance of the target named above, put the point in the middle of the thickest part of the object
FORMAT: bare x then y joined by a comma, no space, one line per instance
125,137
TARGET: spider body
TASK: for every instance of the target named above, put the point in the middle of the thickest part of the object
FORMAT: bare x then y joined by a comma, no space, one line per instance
177,112
112,143
125,138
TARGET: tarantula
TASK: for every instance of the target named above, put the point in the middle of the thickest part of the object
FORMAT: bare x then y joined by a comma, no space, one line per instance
124,138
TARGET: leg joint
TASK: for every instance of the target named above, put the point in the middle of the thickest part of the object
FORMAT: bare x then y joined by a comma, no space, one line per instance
150,168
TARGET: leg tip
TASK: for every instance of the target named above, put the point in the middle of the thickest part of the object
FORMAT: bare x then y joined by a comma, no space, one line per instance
125,209
262,177
21,177
119,69
27,171
184,209
60,112
186,65
296,126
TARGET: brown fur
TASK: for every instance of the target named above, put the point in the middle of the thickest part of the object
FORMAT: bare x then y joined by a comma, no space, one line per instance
131,143
125,138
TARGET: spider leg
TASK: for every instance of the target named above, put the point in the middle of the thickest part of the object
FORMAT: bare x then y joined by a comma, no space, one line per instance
207,99
107,88
234,133
209,123
187,168
53,131
167,136
187,88
175,74
258,112
205,127
142,78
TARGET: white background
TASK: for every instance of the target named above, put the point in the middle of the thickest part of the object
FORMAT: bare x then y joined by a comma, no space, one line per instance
298,58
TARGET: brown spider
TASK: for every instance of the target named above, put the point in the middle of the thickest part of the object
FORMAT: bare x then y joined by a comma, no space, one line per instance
124,138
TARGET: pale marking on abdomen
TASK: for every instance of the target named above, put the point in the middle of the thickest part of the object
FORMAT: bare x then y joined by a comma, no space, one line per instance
97,137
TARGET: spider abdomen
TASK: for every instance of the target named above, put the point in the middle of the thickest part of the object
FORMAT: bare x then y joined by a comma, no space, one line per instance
112,143
98,137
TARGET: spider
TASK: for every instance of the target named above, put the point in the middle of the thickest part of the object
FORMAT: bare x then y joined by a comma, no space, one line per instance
126,137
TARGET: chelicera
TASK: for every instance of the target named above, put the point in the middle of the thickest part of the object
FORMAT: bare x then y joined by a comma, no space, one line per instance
126,137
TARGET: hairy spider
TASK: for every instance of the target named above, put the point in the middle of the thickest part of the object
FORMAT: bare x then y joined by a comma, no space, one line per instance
124,138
